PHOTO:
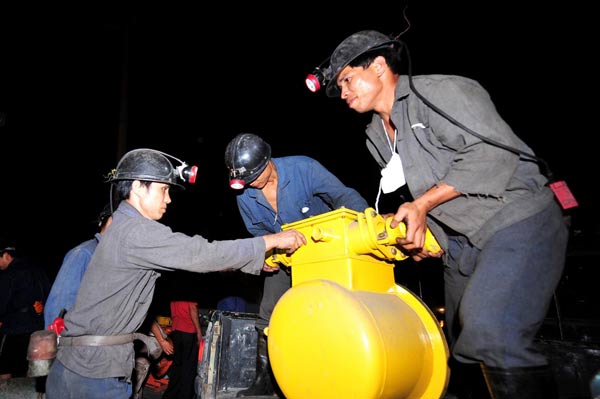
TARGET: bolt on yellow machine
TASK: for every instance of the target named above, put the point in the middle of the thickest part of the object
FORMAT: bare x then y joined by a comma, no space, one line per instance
345,329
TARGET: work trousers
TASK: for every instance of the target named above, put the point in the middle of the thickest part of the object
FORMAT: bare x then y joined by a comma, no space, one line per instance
183,371
497,297
63,383
13,354
275,285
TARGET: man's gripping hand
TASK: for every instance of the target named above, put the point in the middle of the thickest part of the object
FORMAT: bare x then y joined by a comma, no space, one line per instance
289,241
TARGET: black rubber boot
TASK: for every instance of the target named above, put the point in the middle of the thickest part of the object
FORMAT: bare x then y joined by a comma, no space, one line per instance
520,382
263,382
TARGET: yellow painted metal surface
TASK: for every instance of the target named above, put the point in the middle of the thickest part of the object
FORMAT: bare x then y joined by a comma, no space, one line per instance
345,329
163,321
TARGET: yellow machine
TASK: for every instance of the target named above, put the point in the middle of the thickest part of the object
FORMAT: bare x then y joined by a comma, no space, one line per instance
345,329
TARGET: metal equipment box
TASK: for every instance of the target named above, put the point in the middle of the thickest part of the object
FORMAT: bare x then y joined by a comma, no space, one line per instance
228,362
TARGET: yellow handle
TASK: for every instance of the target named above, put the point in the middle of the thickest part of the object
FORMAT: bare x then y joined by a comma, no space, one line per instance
276,259
431,244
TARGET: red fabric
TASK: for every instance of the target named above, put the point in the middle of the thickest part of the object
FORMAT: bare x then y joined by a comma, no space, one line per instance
58,325
201,351
180,316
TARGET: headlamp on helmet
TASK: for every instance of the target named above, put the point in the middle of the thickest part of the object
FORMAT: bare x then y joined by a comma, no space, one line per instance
318,77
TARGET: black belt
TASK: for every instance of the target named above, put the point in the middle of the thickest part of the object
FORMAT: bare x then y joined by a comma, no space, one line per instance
97,340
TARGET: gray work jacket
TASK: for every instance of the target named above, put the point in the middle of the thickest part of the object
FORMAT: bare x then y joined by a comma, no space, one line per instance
118,285
499,187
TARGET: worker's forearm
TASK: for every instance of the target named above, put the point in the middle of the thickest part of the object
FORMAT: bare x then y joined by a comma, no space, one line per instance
435,196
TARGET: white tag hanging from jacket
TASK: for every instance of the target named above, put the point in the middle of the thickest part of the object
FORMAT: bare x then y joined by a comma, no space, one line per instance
392,176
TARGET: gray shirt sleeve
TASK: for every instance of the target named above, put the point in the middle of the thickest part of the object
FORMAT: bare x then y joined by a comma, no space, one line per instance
155,246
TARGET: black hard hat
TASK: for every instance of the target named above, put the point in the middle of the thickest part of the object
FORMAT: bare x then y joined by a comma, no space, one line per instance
348,50
246,156
148,165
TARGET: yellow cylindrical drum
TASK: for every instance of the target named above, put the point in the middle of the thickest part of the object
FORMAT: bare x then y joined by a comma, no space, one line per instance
326,341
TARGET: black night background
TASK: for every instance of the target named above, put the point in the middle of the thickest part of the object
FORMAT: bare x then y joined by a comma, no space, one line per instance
80,87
